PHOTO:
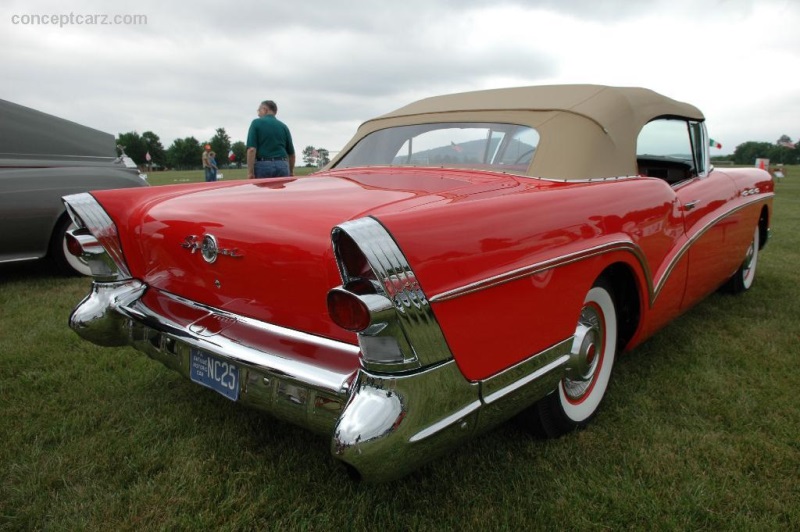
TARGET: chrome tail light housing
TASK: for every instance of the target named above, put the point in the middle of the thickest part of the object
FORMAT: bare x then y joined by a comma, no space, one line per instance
96,239
381,300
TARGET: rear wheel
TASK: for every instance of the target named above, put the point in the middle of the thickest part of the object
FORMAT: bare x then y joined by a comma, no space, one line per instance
65,262
576,400
744,277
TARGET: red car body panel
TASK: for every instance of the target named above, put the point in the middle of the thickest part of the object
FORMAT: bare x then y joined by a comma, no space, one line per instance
535,225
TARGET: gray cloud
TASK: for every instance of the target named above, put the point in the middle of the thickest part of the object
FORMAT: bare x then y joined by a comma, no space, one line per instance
195,67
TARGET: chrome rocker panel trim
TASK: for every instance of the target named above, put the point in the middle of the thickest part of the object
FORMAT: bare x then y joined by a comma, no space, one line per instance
395,423
383,426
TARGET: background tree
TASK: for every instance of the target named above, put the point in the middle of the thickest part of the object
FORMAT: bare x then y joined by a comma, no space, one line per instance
310,156
786,152
324,157
784,155
135,147
185,154
240,151
747,152
158,155
221,145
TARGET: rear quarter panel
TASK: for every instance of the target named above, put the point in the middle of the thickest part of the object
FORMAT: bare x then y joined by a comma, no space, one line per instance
458,250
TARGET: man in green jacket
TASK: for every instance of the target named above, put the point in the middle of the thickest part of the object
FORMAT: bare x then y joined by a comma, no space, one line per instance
270,152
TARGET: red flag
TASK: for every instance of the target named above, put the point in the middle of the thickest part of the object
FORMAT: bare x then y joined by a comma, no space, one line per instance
147,157
231,156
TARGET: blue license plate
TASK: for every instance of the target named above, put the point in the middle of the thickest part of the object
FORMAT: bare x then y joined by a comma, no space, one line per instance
215,373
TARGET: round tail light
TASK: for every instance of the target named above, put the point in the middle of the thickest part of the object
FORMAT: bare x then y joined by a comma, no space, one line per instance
73,246
348,311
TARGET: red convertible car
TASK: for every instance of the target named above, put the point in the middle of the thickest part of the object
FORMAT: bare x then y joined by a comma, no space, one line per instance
464,259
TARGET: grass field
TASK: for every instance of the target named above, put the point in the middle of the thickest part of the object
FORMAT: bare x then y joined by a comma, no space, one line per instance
197,176
700,430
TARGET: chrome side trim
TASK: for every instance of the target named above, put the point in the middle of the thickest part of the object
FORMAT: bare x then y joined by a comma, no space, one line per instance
588,180
618,245
448,421
511,391
393,424
21,259
539,267
695,237
516,385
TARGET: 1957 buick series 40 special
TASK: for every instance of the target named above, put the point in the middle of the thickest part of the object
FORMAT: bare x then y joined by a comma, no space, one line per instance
464,259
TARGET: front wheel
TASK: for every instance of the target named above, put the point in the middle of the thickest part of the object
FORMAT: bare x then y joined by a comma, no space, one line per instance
576,400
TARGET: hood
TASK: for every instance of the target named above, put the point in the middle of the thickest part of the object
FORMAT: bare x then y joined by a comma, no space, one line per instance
275,261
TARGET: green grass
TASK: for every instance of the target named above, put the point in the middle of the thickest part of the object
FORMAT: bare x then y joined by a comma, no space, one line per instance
173,177
700,430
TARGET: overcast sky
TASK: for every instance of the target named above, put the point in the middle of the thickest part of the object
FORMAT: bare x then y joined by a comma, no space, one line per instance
186,70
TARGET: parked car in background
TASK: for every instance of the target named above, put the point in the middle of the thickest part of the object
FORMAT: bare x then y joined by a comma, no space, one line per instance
42,158
464,259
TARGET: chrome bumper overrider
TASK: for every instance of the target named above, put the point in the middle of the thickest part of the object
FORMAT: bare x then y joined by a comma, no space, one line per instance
383,426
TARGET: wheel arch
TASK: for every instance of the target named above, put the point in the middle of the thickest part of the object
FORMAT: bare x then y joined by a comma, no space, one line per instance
763,226
627,296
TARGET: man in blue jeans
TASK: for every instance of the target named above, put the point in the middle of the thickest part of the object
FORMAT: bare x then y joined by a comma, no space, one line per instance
206,159
270,152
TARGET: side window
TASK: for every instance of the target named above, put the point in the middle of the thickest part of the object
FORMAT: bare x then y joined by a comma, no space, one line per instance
665,149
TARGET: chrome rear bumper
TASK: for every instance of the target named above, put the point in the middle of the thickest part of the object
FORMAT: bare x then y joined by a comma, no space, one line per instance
273,378
383,426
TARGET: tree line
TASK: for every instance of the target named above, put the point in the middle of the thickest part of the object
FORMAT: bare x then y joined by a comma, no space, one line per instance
186,153
783,151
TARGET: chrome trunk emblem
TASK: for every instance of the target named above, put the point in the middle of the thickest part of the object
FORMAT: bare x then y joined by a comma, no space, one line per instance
208,248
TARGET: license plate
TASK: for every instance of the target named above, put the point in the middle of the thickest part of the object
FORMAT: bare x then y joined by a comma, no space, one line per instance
215,373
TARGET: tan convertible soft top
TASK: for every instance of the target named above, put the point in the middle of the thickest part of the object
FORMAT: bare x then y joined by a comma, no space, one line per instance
586,131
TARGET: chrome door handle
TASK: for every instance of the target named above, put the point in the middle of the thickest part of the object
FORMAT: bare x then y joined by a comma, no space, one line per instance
691,205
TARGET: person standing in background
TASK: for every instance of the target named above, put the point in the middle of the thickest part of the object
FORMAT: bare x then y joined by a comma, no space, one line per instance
270,151
212,161
206,162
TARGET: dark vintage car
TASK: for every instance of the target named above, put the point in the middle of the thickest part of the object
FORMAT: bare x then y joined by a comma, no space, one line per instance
43,158
464,259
